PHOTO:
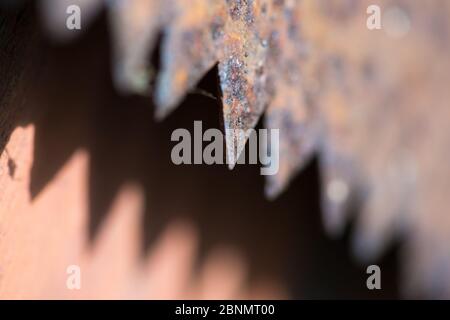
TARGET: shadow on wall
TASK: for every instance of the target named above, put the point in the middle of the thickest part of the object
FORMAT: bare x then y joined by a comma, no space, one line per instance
67,93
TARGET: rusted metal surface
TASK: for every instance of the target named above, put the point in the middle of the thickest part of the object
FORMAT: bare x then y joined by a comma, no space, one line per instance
372,104
384,114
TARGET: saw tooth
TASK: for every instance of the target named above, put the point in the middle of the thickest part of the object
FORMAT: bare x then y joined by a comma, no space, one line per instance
390,204
298,137
188,51
341,190
241,111
134,24
243,73
289,111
